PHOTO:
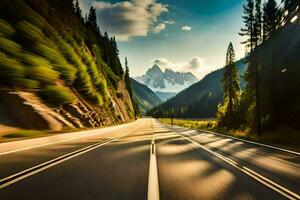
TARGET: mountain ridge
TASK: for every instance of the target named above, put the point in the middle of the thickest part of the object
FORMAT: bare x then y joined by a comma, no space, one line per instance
143,96
166,81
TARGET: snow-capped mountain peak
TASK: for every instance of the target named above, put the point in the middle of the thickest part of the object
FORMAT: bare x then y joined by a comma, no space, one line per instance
167,81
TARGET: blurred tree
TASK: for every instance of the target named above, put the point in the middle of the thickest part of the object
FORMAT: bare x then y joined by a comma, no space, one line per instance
231,88
127,78
270,14
92,19
257,26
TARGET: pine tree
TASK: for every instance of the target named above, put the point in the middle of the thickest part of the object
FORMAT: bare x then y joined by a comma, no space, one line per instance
269,18
252,74
92,19
78,11
231,87
257,26
289,7
248,19
127,78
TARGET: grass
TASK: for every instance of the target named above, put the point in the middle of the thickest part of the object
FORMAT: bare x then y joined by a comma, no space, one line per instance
57,95
286,136
24,133
207,124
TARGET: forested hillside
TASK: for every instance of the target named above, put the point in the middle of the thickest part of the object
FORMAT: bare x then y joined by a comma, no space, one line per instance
54,56
144,97
199,100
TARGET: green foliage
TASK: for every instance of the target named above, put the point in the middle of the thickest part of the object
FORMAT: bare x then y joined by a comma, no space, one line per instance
40,69
11,71
57,95
127,78
54,45
270,15
83,82
144,98
30,31
44,74
110,76
6,29
231,88
195,124
29,83
67,71
102,88
9,46
24,133
248,19
96,99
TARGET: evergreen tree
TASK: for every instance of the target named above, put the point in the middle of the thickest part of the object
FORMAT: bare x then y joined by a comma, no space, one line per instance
257,26
78,11
231,88
92,19
127,78
269,18
251,20
248,19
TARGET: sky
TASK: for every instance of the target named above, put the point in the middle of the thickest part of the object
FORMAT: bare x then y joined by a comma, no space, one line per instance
184,35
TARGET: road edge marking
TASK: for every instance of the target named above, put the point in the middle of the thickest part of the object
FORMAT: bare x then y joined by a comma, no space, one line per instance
263,180
243,140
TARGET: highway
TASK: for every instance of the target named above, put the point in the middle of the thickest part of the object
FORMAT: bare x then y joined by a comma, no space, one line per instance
146,160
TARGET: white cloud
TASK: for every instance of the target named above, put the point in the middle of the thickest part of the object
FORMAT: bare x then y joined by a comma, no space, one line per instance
85,5
170,21
196,65
127,19
186,28
163,62
160,27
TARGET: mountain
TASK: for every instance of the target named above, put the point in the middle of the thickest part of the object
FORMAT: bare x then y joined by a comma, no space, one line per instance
164,96
168,81
143,96
56,68
199,100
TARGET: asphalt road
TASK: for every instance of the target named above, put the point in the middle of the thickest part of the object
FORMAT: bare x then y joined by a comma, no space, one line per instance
148,160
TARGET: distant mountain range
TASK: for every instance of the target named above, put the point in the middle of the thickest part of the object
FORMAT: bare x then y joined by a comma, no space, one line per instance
199,100
168,81
143,96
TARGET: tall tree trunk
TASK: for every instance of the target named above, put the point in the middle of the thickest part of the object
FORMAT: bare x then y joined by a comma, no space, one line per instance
230,99
257,99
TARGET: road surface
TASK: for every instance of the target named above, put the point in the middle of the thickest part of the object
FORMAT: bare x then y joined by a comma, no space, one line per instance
146,160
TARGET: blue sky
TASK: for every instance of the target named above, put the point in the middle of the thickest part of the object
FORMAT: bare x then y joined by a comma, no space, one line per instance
185,35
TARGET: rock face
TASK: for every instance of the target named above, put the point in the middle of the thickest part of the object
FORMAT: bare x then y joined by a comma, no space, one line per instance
168,81
26,110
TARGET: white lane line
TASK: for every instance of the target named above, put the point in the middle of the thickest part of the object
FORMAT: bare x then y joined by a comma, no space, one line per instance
265,181
83,134
247,141
36,169
256,143
153,186
36,146
41,167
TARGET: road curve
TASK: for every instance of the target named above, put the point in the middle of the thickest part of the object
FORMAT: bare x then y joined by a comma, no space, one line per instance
124,162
